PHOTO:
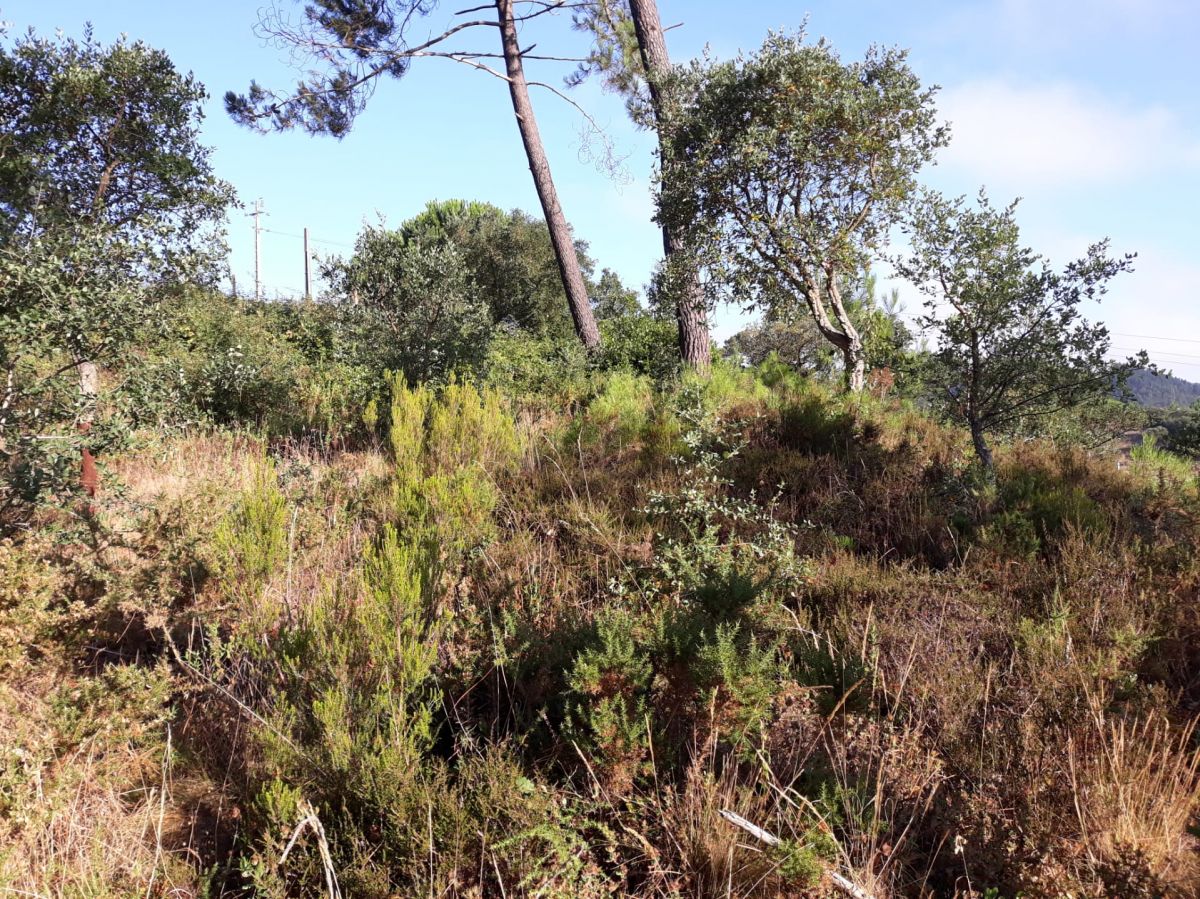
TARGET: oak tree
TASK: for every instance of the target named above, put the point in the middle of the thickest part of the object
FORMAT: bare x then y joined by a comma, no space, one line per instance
788,167
1011,346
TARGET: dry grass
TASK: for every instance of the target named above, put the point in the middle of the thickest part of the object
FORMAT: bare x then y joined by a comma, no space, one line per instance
1136,787
94,826
976,727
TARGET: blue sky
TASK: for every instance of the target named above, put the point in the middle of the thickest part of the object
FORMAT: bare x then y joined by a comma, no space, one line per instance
1085,108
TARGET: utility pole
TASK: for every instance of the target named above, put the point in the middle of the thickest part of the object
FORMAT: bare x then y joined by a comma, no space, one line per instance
307,283
258,211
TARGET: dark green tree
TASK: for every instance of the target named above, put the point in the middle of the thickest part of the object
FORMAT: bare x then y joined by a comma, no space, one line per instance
508,257
354,43
106,196
612,299
1011,345
788,168
107,136
410,305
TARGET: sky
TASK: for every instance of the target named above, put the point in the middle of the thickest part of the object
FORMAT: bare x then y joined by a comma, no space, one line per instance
1086,109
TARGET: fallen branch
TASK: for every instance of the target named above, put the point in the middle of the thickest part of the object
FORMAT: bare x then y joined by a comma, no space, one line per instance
841,882
311,821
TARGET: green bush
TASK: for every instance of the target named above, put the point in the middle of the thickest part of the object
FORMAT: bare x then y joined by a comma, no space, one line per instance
539,370
621,408
448,447
252,540
609,681
641,343
352,715
1038,506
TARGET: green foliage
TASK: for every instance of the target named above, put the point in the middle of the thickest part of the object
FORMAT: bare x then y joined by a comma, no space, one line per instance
1182,430
252,540
727,387
448,447
719,551
613,55
537,370
410,306
621,408
510,262
640,342
1159,390
1164,468
804,861
107,198
788,341
609,681
1012,346
353,712
747,673
786,168
106,136
28,617
68,297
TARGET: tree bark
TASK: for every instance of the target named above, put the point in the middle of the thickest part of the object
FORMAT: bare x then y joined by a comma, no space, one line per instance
982,450
694,345
89,389
852,350
539,167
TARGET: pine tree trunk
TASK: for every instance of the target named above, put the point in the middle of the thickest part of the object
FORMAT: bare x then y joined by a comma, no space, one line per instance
694,345
539,166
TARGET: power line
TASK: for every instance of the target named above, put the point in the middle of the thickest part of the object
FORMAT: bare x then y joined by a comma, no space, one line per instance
1195,340
332,243
1129,349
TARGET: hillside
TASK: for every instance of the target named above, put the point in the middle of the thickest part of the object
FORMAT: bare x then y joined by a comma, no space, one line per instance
1163,391
516,650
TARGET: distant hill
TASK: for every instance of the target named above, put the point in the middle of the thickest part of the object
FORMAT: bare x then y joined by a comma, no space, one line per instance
1162,391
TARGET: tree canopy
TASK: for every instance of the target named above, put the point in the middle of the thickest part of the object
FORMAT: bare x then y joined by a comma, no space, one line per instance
508,257
106,195
107,136
788,167
1011,343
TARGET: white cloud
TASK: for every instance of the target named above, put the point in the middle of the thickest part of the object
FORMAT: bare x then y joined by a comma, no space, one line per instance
1058,134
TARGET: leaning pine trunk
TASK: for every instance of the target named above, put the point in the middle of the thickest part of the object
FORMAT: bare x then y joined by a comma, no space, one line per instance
694,344
539,166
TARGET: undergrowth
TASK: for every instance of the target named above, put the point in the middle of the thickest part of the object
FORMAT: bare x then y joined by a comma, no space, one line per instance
563,648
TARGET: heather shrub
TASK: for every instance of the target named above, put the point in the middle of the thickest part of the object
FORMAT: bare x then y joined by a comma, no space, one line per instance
252,540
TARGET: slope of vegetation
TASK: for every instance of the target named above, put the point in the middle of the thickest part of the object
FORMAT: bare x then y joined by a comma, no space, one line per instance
512,651
1160,391
476,577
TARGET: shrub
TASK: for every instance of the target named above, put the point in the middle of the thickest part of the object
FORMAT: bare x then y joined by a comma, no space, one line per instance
1162,468
621,408
252,541
352,711
608,713
448,447
641,343
537,370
